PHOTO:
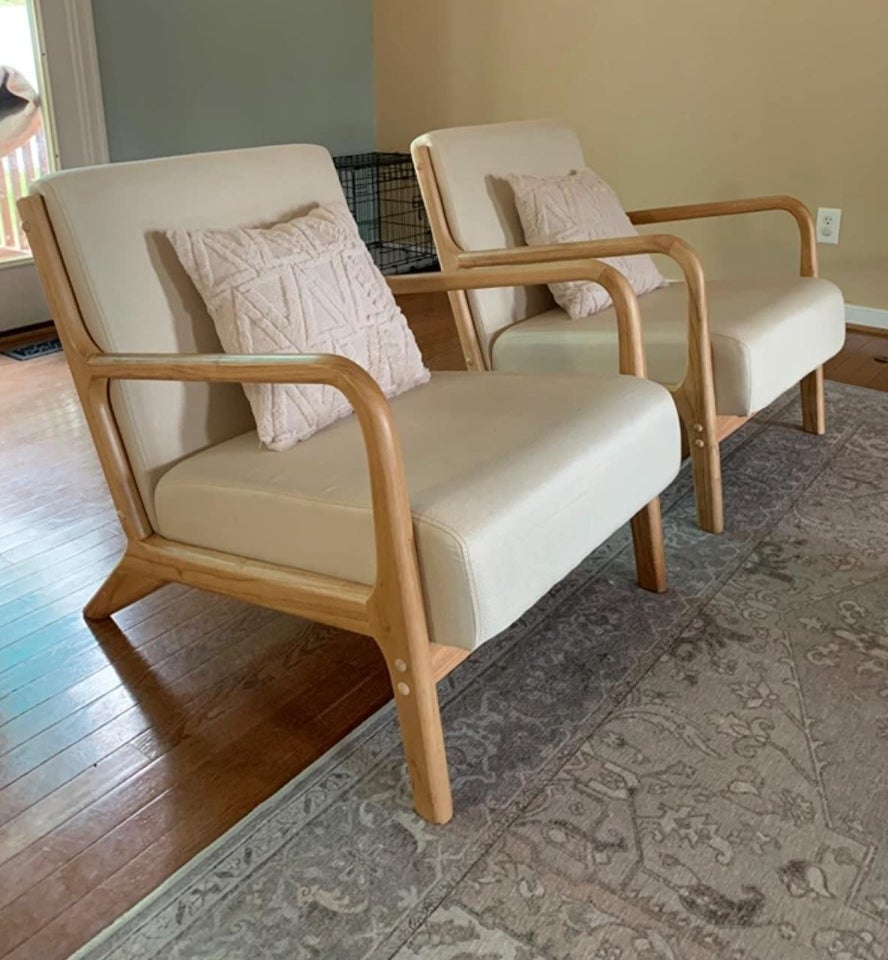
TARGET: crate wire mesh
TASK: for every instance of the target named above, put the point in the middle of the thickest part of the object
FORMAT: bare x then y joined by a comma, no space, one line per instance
383,196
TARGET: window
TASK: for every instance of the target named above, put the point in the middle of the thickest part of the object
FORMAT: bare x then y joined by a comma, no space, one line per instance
25,153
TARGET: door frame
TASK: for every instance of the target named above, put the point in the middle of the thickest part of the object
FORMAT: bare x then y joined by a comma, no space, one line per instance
66,42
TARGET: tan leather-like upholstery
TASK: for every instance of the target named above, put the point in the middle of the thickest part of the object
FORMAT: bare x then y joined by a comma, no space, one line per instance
513,479
766,335
136,297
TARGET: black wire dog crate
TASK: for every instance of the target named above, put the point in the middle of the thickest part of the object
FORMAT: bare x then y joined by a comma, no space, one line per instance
383,196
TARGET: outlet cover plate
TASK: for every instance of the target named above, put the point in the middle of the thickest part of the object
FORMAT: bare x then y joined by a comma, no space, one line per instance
829,222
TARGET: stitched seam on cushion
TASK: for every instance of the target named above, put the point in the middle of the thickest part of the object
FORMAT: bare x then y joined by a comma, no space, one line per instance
746,350
136,439
251,489
463,553
89,284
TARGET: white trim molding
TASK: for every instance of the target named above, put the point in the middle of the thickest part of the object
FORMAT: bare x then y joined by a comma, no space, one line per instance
71,77
866,317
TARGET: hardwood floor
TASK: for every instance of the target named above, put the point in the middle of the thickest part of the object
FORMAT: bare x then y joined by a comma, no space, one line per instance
864,361
127,747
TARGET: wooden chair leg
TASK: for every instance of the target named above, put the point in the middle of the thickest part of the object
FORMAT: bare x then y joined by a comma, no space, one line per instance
419,717
706,465
813,403
650,554
123,587
407,653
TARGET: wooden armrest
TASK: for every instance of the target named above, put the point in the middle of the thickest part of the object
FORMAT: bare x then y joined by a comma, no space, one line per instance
538,258
325,368
359,388
727,208
663,243
670,246
392,520
531,271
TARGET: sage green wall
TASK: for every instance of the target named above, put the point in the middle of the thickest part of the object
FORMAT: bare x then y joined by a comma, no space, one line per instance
181,76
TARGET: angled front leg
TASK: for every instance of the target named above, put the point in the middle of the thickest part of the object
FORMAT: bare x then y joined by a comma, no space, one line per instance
123,587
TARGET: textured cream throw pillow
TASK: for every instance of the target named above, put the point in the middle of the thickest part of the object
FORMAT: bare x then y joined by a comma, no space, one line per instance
580,206
306,286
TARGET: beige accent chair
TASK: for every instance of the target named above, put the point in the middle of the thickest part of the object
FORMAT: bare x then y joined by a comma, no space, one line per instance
725,349
430,522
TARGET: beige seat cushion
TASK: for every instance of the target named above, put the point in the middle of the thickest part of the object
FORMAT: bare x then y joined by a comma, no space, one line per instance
766,335
513,480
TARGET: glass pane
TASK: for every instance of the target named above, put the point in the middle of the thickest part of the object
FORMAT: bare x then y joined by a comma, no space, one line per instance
24,152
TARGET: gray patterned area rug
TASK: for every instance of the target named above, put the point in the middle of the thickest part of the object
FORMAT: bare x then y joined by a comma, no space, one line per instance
687,777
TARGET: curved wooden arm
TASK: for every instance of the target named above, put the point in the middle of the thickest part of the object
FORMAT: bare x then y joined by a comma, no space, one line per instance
670,246
318,368
695,396
533,271
392,520
664,243
727,208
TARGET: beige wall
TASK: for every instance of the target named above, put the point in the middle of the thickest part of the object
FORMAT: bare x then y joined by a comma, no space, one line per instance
675,100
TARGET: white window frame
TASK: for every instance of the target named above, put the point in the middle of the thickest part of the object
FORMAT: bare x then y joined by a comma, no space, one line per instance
72,85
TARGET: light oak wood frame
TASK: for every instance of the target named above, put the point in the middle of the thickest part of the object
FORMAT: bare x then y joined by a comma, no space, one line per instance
695,395
392,609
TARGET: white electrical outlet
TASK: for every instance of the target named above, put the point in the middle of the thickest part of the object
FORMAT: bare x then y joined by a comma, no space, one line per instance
829,221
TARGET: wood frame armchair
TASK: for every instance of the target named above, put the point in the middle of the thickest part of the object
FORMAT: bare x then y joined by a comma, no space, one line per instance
694,397
391,609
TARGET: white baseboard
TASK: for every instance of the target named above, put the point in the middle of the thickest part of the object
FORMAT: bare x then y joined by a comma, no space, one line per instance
866,316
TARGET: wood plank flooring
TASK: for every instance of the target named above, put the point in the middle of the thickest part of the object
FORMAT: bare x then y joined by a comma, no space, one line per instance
127,747
864,361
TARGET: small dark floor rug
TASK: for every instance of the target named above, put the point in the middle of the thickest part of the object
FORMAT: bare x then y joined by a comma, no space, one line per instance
692,776
31,350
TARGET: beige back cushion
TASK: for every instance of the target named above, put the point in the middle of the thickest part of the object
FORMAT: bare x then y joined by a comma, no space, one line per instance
137,298
470,165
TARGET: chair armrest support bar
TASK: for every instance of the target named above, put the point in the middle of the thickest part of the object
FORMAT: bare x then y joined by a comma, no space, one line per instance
726,208
534,271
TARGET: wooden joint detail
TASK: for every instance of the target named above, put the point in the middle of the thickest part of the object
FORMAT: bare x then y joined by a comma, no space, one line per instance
445,659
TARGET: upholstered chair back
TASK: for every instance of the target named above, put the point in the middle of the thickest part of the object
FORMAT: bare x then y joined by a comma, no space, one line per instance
469,165
136,298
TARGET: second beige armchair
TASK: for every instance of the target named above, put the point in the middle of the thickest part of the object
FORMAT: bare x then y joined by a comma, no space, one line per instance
725,349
